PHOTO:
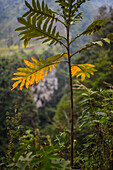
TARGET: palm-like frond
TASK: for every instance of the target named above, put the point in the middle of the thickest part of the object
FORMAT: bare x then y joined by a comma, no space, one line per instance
39,24
35,70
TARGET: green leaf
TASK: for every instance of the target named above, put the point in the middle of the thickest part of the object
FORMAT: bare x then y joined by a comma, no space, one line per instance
28,5
100,43
25,43
38,5
106,40
27,13
110,36
22,20
95,27
34,4
20,28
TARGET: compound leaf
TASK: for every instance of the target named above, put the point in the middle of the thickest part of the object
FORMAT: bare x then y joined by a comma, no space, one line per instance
83,70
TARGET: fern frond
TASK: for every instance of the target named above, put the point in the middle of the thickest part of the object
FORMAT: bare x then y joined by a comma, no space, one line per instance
83,70
35,70
39,10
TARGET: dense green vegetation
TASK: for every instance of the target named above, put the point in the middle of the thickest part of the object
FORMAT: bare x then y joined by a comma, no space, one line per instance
28,132
9,100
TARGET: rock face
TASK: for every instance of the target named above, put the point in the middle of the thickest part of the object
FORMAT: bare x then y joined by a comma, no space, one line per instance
44,91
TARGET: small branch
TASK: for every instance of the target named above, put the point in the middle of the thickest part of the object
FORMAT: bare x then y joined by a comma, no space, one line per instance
75,38
60,62
67,118
63,37
109,85
82,86
84,48
62,44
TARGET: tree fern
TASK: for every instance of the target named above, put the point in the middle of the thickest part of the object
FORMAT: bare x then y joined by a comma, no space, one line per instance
39,23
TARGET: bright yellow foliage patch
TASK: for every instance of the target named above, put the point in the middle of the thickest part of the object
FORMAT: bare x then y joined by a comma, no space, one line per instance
35,70
83,70
38,69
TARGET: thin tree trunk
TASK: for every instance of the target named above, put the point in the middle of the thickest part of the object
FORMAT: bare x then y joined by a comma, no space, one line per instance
71,94
72,117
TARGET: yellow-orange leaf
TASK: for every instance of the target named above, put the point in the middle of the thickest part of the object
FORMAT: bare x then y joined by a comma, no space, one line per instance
17,78
92,73
25,70
22,84
15,84
83,70
88,75
28,82
37,77
74,70
32,79
19,73
46,71
51,68
29,64
78,75
87,65
82,77
35,61
41,75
